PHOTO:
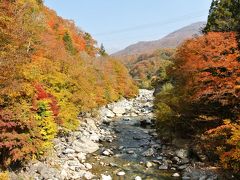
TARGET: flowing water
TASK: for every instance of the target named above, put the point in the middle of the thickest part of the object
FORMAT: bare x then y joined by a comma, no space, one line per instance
134,147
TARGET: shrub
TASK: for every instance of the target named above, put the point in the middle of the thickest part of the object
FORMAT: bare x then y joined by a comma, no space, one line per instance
46,123
225,142
19,140
4,176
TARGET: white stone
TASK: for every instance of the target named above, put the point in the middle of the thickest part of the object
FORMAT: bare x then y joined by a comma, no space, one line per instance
88,175
85,145
69,151
104,177
107,152
105,112
64,174
149,164
81,156
138,178
176,175
88,166
118,110
91,123
94,137
121,173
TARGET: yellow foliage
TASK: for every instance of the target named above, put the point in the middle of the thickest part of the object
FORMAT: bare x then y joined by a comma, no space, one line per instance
4,176
44,85
46,123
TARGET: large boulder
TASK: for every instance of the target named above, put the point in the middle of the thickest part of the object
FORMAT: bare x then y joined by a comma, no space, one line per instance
85,145
119,110
105,112
91,123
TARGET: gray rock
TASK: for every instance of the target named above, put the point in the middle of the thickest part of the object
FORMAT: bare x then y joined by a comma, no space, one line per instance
69,151
182,153
130,152
105,112
121,147
48,173
186,178
163,167
176,159
113,165
182,167
203,177
157,162
85,145
149,152
183,161
73,163
159,158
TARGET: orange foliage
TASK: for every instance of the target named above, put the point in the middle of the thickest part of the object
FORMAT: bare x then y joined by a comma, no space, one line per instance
48,74
207,75
211,68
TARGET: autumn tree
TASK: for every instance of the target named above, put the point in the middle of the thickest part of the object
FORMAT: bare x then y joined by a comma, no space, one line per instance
203,95
49,73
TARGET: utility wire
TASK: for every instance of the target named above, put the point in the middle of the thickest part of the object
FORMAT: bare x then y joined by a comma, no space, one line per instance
126,38
146,26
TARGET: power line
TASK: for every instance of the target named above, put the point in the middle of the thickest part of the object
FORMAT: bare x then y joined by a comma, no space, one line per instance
126,38
146,26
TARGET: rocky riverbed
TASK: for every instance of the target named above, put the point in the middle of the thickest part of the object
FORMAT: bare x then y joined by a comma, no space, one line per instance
121,143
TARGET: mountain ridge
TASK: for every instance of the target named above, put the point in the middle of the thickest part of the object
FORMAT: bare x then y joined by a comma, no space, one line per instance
171,40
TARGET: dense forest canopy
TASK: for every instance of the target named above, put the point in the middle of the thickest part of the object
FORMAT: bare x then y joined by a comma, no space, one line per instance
202,94
49,73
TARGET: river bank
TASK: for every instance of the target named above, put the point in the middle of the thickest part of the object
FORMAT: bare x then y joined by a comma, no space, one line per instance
121,143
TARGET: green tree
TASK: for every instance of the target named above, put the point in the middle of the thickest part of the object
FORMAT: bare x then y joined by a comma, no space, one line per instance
224,16
102,51
68,43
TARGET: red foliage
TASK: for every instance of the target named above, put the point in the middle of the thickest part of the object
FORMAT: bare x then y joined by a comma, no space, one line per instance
41,94
17,140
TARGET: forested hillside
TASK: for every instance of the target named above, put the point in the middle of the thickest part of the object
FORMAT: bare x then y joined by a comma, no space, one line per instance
146,68
49,73
201,100
68,110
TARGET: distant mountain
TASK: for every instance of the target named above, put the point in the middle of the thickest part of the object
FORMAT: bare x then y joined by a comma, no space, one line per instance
170,41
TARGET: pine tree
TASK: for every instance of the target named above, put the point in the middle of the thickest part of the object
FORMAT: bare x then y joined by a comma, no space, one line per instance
224,16
68,43
102,51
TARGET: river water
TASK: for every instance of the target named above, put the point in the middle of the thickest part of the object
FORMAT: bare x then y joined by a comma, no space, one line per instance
136,149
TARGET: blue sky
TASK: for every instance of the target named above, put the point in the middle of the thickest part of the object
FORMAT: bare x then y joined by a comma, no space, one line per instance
119,23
